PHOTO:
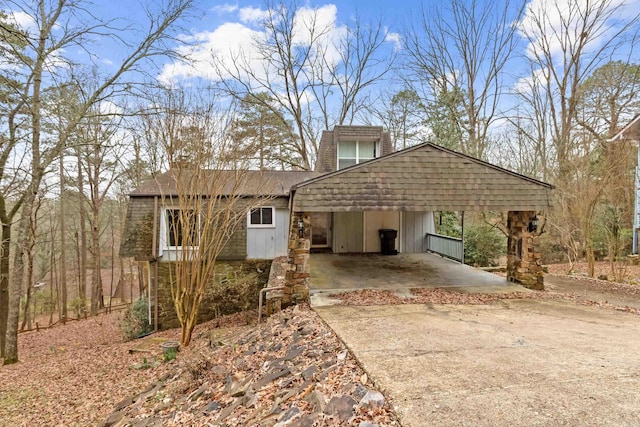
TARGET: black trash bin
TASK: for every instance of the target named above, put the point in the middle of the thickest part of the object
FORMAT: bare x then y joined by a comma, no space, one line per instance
388,241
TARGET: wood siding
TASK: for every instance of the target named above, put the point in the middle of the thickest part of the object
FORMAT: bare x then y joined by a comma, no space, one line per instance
347,232
415,225
268,243
327,151
422,178
373,222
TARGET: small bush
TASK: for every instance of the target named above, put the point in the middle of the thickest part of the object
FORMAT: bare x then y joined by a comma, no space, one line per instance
136,320
170,354
78,306
483,245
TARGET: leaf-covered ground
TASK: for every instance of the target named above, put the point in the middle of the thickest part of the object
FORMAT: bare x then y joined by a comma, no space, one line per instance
73,375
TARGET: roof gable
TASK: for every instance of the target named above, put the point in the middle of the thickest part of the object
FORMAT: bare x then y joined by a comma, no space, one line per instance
420,178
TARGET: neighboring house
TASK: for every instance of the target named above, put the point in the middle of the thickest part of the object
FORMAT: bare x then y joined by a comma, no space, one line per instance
631,132
359,187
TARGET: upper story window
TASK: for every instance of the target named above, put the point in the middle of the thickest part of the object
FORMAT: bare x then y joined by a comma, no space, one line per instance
182,226
353,152
262,217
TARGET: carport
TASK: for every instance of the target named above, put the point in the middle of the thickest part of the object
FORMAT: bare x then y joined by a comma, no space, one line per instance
402,190
342,272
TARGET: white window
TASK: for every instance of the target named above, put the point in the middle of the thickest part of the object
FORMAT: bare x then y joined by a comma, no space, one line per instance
263,217
353,152
181,228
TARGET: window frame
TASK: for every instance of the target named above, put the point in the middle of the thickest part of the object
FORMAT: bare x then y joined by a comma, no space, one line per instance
167,229
357,158
273,217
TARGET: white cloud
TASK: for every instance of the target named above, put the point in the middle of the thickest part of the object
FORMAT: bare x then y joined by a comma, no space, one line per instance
225,43
224,8
395,39
23,20
109,108
231,41
318,26
550,25
252,15
525,84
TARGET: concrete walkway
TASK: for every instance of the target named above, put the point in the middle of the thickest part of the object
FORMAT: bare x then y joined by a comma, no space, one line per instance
332,273
516,363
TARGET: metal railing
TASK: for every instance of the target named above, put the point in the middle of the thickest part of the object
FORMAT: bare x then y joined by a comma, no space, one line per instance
450,247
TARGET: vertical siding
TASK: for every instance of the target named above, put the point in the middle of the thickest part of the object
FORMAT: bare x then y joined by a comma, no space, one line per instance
268,243
415,225
373,222
347,232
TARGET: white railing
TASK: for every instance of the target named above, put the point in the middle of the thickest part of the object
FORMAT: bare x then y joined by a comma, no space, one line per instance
450,247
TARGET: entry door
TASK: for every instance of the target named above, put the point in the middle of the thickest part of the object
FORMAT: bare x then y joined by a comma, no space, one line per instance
321,229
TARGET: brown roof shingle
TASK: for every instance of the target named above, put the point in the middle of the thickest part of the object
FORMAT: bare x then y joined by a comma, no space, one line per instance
226,182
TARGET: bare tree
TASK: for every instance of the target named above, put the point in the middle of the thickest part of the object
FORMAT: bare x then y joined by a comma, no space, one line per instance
316,73
568,41
463,47
205,200
59,25
568,44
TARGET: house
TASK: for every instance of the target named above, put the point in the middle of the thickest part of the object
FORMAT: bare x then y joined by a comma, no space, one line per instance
631,132
359,187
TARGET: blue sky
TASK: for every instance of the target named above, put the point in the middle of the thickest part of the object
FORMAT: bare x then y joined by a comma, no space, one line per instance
221,27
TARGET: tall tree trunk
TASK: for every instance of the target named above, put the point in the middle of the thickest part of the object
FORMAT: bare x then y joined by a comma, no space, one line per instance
63,242
18,272
4,277
53,277
97,294
24,237
82,259
97,297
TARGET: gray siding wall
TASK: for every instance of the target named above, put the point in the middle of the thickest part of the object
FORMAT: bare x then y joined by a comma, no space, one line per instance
347,232
268,243
415,225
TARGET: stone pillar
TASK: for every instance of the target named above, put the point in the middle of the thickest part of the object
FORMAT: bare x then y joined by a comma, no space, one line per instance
524,264
299,271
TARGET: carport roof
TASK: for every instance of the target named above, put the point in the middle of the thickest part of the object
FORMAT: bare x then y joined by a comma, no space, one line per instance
422,178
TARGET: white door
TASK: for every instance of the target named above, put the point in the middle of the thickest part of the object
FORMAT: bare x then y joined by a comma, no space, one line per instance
268,242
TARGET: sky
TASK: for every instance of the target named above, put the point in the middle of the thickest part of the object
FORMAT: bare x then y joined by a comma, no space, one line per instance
219,27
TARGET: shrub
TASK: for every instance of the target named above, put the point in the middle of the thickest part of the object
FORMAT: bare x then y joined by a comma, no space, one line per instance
483,245
136,320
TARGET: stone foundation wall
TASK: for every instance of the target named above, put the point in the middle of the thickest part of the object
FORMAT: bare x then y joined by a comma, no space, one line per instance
234,287
524,263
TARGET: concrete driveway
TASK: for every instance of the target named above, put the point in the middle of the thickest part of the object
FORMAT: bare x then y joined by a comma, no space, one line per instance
516,363
331,273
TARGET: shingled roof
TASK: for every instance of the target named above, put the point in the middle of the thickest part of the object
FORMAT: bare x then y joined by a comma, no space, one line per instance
250,183
630,131
422,178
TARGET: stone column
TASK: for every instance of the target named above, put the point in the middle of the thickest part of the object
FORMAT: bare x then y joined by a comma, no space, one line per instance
298,272
524,263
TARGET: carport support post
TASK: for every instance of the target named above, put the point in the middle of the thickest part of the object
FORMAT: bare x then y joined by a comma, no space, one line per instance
298,272
524,264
